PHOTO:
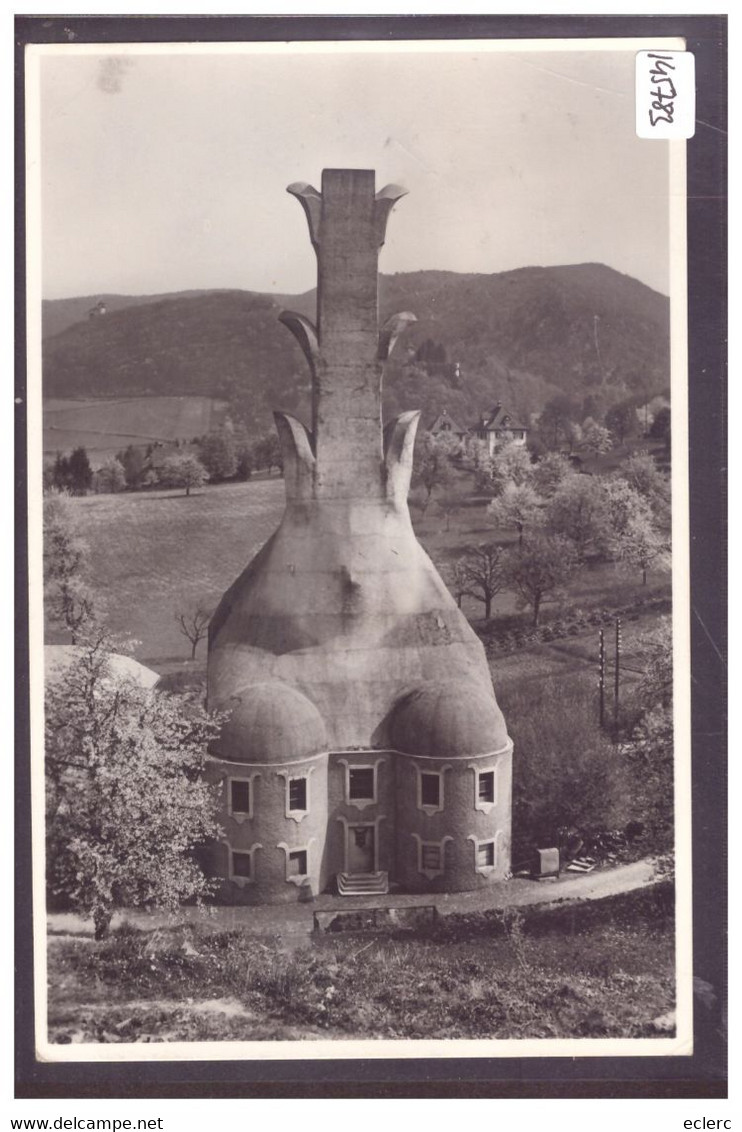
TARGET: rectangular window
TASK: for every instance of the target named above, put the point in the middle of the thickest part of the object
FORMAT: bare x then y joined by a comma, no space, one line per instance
486,788
297,793
240,797
430,789
298,863
431,857
361,784
241,864
486,855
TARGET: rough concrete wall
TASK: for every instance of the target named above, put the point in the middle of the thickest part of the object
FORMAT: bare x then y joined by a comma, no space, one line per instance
343,813
346,606
459,819
348,378
271,828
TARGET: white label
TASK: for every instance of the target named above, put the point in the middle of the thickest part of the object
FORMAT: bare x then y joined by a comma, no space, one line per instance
665,94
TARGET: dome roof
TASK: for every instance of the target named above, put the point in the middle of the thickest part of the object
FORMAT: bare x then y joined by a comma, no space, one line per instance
448,719
58,658
270,723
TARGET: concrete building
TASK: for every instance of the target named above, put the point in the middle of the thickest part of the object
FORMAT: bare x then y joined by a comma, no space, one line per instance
365,745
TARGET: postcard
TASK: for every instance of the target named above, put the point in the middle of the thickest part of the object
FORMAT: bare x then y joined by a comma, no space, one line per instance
359,586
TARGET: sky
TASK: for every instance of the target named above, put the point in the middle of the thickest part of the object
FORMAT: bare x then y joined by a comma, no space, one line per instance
167,172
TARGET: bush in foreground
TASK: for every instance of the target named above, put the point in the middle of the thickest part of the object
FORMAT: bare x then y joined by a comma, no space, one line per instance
568,776
126,803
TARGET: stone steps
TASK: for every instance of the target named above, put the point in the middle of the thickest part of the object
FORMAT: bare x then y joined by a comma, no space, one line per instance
363,884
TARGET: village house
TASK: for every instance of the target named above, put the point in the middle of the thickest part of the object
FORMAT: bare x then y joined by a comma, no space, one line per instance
498,427
163,450
444,423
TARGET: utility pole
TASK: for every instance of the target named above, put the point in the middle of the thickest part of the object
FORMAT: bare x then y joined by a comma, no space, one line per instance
596,338
601,679
617,675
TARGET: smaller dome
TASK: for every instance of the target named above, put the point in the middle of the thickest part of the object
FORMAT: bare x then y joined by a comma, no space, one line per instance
270,723
448,719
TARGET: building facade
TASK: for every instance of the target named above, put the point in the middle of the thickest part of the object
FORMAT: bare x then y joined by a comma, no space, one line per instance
364,746
445,425
498,427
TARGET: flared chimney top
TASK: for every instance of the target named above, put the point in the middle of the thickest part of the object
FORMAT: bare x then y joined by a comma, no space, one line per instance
345,348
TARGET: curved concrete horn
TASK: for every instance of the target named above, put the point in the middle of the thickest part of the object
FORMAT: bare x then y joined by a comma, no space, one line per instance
386,199
298,456
305,333
391,331
311,201
399,446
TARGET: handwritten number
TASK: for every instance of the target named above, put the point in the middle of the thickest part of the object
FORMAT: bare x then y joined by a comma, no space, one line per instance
654,119
663,107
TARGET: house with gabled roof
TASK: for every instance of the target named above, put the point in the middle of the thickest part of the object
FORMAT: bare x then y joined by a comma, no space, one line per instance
499,427
444,423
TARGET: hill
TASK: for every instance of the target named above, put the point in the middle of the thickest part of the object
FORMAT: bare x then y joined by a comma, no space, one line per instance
519,336
59,314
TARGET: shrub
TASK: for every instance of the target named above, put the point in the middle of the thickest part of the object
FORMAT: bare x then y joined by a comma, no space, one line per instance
567,775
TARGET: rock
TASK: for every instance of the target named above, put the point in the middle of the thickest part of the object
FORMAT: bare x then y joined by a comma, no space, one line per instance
664,1023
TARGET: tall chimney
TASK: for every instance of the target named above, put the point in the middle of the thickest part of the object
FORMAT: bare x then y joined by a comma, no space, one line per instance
347,227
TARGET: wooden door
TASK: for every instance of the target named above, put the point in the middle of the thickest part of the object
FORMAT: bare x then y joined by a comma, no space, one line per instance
361,846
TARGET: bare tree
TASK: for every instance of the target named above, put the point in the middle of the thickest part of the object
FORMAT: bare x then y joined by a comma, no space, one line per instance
194,624
539,568
481,574
448,504
454,575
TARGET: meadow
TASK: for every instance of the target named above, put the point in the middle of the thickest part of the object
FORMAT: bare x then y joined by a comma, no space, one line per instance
107,426
154,553
597,969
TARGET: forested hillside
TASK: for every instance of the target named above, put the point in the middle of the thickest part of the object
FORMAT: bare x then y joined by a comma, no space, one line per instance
519,336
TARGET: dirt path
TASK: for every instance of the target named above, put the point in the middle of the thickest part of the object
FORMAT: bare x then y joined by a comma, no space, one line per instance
293,922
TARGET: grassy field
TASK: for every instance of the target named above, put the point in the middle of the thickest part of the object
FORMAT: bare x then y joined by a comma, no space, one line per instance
153,553
105,427
595,969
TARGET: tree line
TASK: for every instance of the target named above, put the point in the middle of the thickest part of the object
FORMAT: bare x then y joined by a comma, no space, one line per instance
565,424
562,518
228,453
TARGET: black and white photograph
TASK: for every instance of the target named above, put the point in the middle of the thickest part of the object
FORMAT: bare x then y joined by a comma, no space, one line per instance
358,552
